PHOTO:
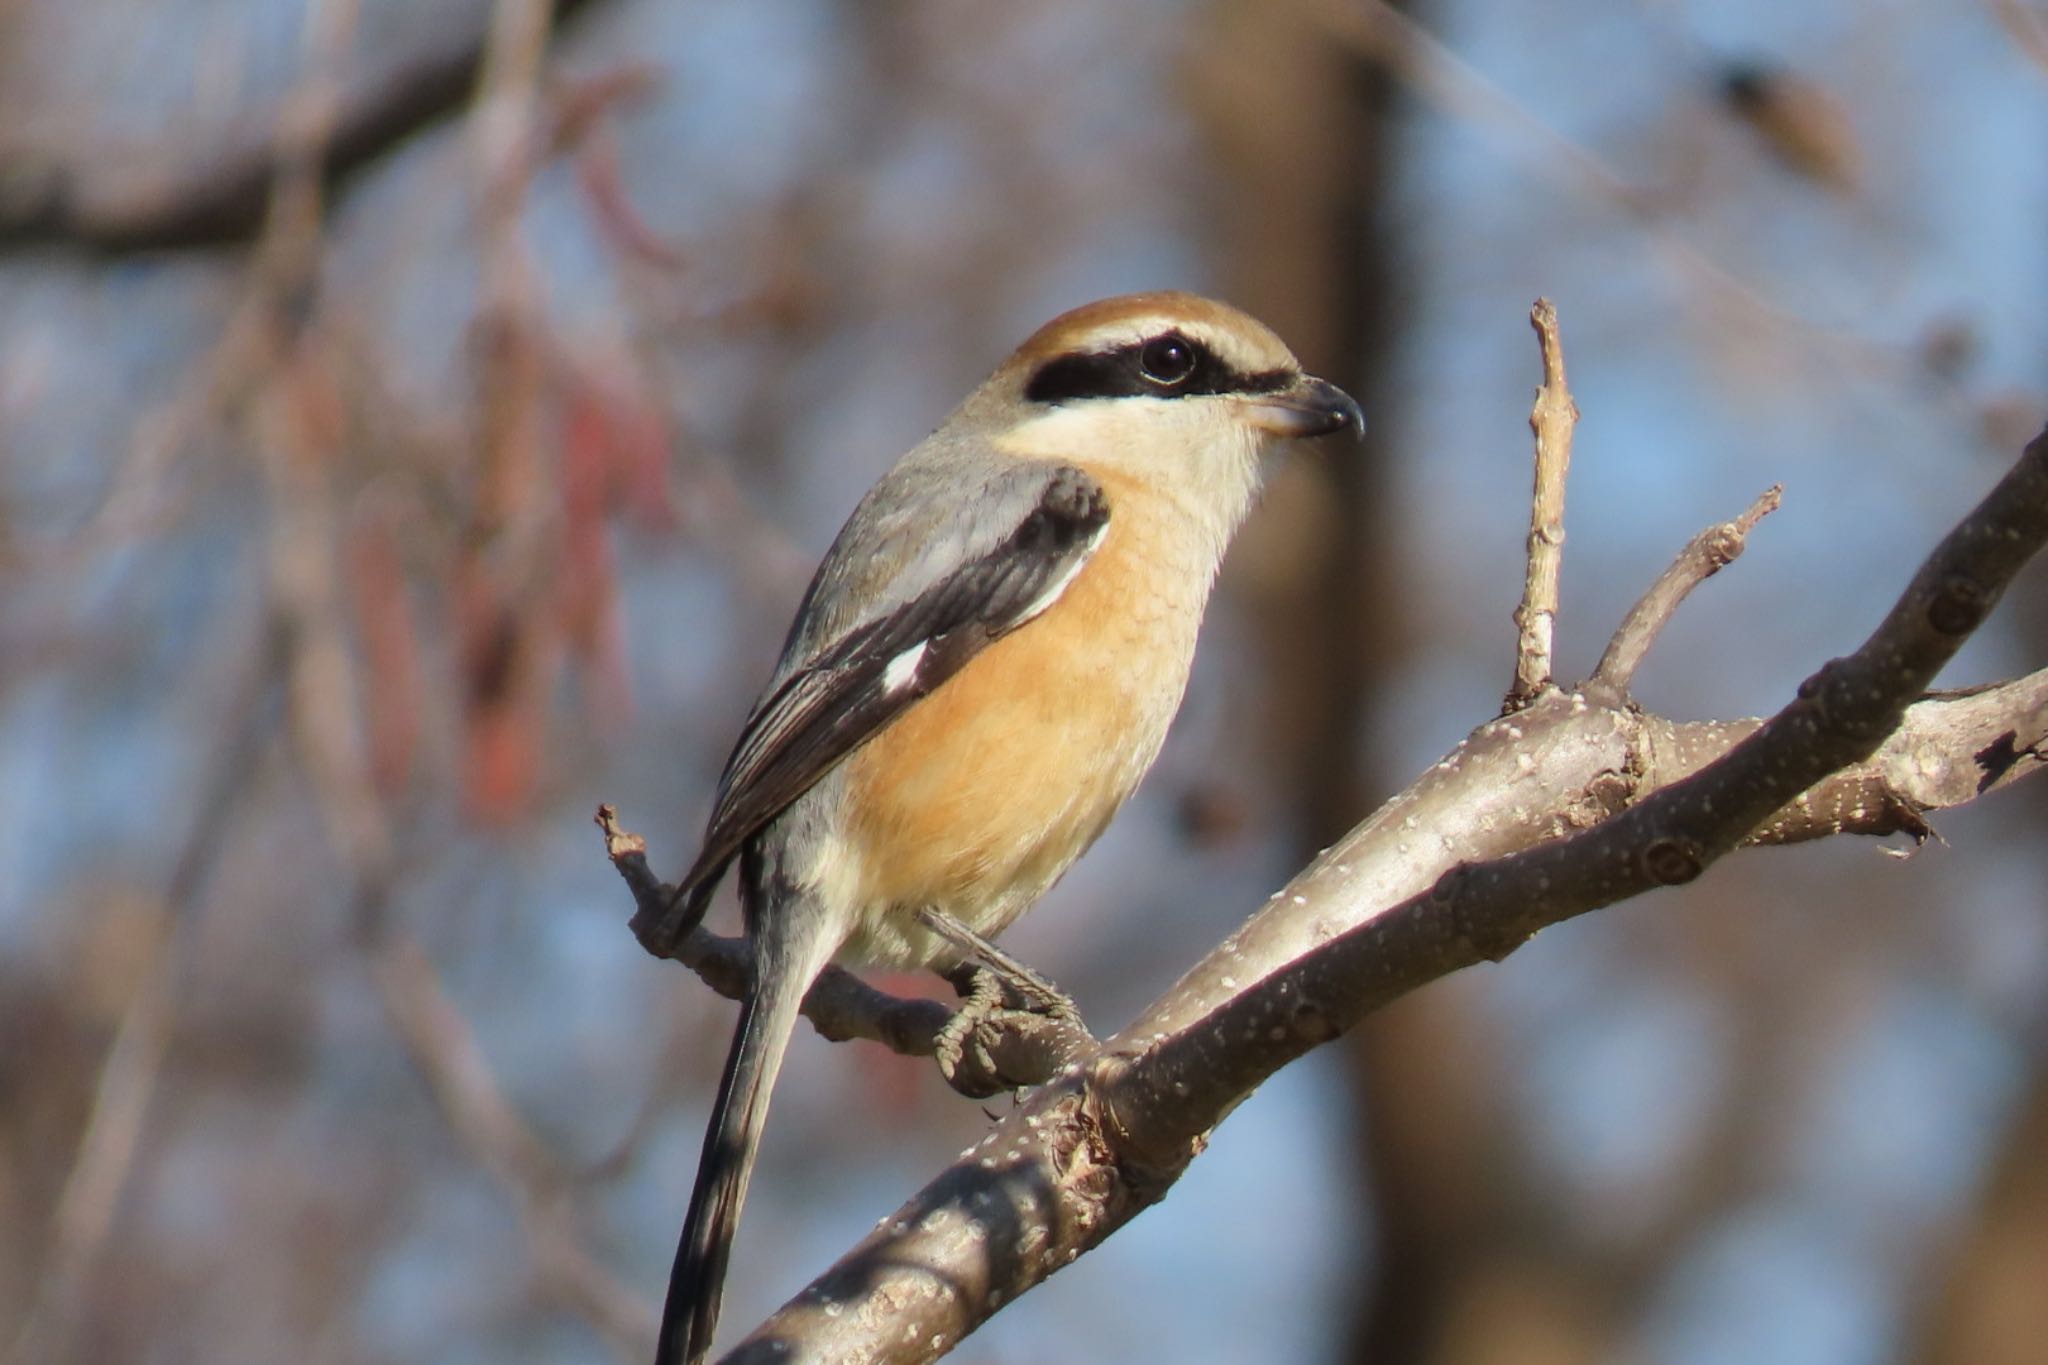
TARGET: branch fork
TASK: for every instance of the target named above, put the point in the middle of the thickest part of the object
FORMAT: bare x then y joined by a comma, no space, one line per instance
1571,800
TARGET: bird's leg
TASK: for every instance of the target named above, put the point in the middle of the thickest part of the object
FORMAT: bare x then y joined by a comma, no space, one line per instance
1031,991
1013,1027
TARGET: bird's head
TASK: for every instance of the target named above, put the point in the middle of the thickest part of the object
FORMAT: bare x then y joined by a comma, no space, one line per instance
1173,388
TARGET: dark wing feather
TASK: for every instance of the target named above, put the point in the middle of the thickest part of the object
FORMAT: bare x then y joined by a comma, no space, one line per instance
856,685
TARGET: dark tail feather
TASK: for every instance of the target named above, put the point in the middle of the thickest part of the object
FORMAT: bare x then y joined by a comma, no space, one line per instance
697,1282
684,911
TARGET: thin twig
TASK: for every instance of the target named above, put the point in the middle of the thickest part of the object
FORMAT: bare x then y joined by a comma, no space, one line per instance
1841,715
1552,418
840,1005
1027,1050
1704,556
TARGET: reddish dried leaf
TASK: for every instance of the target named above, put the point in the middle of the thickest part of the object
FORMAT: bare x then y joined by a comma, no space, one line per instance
587,588
389,636
506,651
501,761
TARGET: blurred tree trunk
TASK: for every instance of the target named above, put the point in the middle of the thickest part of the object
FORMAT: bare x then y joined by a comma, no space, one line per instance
1991,1308
1301,138
1994,1307
1297,135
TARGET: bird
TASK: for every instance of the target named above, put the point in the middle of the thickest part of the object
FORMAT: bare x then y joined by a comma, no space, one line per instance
983,668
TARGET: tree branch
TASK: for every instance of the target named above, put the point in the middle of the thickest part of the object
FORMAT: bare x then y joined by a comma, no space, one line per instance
1465,865
1709,552
1553,419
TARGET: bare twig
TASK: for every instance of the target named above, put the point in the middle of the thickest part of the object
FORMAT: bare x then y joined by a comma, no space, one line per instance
1552,419
1841,716
1948,751
1704,556
839,1004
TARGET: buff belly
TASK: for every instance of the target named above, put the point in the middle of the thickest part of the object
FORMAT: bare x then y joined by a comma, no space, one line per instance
979,797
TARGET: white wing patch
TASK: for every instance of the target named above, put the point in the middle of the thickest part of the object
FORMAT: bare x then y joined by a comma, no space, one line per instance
1064,581
902,669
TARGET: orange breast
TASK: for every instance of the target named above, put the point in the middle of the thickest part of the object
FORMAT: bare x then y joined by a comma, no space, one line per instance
981,795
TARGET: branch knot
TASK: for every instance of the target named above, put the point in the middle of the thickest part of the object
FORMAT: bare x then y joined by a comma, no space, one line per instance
1673,861
1959,603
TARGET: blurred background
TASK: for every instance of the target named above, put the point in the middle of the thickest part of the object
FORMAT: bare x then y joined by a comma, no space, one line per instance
417,422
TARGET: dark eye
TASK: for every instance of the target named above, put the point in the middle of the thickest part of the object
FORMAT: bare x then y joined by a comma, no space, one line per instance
1168,361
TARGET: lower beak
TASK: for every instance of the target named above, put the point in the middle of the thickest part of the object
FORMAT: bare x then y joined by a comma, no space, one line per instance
1307,407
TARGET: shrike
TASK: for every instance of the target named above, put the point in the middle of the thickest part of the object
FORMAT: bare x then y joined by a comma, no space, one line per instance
982,670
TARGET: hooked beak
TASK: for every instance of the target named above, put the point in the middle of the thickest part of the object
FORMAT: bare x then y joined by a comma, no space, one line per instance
1307,407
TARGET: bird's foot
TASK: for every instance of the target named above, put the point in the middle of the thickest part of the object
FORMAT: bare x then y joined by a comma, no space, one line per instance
962,1047
1026,989
1013,1027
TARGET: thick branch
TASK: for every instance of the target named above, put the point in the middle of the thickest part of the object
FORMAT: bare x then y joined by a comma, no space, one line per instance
1951,749
1841,716
1089,1150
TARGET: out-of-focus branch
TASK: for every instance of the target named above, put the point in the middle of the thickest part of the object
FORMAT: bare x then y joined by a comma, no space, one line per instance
2028,28
1553,419
1379,32
87,1207
444,1047
1991,1310
170,197
439,1041
1399,902
302,454
114,1126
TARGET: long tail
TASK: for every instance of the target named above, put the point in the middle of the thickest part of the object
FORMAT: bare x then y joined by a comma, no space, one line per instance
784,966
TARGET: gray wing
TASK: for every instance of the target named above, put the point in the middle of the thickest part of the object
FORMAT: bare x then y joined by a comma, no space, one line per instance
837,697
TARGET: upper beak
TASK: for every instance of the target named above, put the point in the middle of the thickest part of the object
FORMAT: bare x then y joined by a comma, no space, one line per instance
1307,407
